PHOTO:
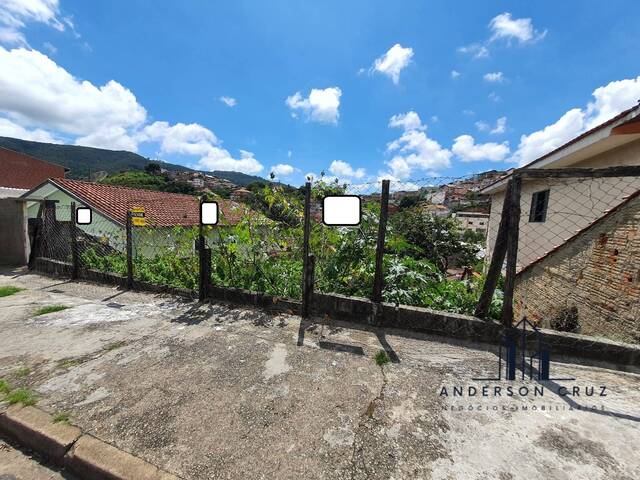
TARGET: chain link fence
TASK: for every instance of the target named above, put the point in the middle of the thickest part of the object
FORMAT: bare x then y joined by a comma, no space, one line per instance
578,264
570,262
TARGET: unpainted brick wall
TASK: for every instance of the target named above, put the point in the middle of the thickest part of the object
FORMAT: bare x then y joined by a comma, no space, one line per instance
593,280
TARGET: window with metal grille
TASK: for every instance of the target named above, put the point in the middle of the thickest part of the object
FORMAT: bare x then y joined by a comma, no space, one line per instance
539,204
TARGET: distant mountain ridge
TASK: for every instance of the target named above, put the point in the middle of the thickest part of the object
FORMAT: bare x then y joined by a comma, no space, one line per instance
82,160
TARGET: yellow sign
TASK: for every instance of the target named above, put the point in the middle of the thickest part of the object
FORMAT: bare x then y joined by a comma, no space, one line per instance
137,217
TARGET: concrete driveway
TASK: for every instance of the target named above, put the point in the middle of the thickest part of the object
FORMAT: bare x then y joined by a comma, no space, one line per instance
214,391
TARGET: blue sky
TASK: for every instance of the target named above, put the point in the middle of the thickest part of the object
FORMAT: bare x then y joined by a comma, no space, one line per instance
360,90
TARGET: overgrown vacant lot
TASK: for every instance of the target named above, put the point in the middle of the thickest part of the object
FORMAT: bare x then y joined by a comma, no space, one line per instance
212,391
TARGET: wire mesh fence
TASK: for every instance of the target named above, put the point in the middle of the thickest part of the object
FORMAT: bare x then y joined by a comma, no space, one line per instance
261,248
102,245
165,255
577,257
56,231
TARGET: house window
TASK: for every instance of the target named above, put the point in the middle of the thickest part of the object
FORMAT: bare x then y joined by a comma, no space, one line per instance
539,204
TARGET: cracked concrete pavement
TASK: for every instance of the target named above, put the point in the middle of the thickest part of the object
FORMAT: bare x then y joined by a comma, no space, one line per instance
215,391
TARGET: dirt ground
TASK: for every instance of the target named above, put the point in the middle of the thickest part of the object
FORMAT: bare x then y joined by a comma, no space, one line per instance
214,391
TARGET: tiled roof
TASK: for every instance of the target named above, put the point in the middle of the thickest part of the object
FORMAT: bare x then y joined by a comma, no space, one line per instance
161,209
18,170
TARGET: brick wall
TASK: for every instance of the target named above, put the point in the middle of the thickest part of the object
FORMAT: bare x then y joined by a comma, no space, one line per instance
592,283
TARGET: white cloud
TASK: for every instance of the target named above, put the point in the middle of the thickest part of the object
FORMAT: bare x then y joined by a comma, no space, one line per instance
482,126
194,139
609,100
494,77
413,149
52,49
320,106
393,62
531,146
111,138
14,15
476,50
228,101
11,129
407,121
35,91
455,74
41,100
612,99
344,169
494,97
219,159
289,154
468,113
185,139
283,170
503,26
501,126
465,148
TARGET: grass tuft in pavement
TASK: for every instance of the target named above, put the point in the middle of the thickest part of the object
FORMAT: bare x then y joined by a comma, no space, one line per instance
61,417
21,395
9,290
51,309
4,386
113,346
381,358
23,372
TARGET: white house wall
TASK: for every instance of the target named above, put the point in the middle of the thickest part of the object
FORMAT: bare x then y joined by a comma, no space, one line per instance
573,204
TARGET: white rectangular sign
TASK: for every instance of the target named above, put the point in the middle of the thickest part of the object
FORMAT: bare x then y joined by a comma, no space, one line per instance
341,210
209,213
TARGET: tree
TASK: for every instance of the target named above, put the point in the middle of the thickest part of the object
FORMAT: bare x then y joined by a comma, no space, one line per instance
437,239
153,168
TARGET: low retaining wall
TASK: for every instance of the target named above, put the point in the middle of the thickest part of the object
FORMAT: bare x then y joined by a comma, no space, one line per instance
64,269
564,346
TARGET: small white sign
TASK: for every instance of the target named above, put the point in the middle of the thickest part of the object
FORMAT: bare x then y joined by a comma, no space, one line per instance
341,210
83,216
209,213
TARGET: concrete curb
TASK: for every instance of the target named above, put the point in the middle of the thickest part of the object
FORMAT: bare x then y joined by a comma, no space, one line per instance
66,445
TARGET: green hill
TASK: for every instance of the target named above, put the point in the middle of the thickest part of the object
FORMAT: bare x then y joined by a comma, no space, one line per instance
80,160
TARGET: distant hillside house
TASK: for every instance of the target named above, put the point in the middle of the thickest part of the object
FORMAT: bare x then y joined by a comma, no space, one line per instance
240,195
474,221
20,173
110,204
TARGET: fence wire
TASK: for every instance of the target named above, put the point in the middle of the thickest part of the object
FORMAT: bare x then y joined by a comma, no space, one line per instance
165,255
102,245
56,230
577,255
257,244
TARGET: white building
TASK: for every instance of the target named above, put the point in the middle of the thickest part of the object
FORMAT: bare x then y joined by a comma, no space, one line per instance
554,209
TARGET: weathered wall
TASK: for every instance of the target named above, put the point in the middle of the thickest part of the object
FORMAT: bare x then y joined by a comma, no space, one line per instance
573,204
593,280
14,244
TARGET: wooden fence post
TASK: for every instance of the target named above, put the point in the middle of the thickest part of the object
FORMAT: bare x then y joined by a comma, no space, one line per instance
497,259
512,252
378,279
74,242
129,251
306,291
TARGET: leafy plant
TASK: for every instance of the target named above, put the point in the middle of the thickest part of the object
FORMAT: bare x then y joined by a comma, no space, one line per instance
381,358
